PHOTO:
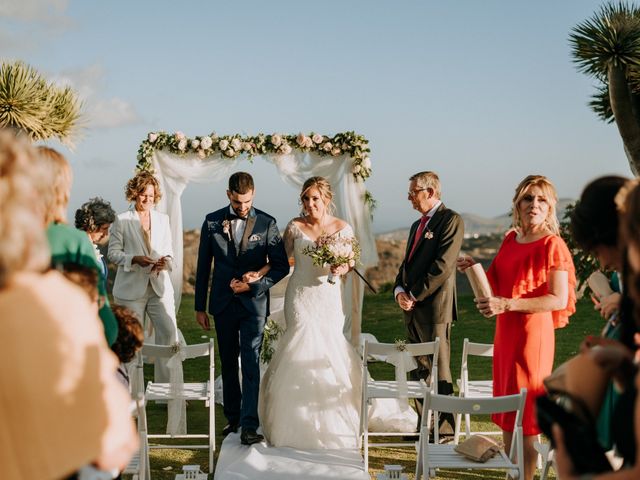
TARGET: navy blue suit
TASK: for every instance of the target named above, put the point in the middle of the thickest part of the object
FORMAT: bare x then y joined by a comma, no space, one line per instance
239,319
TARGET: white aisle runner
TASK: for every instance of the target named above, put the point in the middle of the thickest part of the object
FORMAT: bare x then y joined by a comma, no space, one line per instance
240,462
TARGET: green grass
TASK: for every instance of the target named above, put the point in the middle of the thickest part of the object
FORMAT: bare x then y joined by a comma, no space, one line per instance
382,318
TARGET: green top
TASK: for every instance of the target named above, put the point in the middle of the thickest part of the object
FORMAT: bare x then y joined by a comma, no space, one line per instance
70,245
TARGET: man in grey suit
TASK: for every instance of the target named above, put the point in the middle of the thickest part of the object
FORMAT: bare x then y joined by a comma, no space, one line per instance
425,288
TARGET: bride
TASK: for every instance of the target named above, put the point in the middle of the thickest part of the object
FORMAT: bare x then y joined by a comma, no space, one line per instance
310,394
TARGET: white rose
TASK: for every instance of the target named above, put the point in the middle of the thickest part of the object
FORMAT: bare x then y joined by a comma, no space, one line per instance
335,151
236,144
229,152
195,143
206,142
327,147
356,169
317,138
366,163
179,136
182,144
276,139
224,144
246,146
152,137
286,149
301,139
201,154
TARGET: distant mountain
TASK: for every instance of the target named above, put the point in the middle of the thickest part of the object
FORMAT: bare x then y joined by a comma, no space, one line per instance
476,225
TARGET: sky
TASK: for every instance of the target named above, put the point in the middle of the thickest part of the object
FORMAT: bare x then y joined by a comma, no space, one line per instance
481,92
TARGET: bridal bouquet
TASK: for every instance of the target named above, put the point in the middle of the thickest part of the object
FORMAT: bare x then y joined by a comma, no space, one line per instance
333,251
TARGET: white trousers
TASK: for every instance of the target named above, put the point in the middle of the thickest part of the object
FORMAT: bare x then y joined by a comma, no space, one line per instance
161,312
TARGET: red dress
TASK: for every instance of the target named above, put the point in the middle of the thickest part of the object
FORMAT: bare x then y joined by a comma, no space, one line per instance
524,343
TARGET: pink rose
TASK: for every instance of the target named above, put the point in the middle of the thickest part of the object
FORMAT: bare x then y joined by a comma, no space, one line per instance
366,163
335,151
236,144
356,169
182,144
317,138
246,146
301,139
327,147
224,144
179,136
195,143
229,152
286,149
152,137
201,154
276,139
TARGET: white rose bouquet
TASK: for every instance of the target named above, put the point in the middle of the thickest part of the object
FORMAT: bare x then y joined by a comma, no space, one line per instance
334,251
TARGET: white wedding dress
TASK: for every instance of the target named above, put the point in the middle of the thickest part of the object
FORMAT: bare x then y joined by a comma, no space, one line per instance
311,392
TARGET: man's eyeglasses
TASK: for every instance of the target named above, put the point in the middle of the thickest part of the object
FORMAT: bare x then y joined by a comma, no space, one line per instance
413,193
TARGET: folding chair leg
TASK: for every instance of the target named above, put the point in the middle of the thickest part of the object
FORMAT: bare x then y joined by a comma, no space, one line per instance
467,425
456,432
365,422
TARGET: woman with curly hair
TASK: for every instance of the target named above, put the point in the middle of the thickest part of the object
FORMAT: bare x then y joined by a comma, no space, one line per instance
95,217
129,341
140,245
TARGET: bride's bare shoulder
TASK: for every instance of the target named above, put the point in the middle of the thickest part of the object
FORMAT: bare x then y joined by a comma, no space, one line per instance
338,224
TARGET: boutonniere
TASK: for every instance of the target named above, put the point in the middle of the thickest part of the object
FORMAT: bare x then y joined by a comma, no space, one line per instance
428,234
226,228
401,345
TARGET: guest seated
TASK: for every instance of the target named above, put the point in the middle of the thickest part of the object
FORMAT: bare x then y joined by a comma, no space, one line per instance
68,244
129,341
62,406
619,358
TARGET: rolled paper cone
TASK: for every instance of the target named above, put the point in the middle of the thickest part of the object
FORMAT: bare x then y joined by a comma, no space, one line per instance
599,284
582,378
479,281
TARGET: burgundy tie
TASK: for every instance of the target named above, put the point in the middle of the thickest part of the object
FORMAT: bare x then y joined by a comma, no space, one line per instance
419,231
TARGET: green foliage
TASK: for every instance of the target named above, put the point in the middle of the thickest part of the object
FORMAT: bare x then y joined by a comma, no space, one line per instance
584,262
31,105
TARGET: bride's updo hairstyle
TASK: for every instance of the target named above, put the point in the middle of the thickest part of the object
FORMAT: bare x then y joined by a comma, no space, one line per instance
323,186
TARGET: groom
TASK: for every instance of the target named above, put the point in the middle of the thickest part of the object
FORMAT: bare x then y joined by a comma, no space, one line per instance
241,240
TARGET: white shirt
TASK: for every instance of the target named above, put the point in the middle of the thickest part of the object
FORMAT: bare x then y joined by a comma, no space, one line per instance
237,227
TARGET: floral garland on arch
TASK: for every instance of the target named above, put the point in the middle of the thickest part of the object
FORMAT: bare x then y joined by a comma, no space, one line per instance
231,146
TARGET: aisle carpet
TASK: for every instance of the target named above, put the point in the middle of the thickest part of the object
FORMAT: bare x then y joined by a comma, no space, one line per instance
239,462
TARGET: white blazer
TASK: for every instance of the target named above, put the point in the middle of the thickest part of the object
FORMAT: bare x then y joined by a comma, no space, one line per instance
126,241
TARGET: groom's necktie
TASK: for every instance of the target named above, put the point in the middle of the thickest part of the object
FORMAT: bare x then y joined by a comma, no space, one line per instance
419,232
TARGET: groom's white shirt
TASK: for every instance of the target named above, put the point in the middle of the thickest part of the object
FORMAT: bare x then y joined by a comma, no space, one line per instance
126,241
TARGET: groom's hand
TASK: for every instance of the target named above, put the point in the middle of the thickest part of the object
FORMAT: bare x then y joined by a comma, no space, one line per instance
203,319
239,286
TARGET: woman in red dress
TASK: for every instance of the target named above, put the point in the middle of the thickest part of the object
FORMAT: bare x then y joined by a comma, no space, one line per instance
533,282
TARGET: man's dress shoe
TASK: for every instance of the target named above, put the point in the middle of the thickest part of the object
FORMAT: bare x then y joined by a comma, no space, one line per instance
230,428
249,437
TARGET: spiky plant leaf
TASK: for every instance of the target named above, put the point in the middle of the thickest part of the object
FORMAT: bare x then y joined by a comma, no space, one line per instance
601,104
611,36
31,105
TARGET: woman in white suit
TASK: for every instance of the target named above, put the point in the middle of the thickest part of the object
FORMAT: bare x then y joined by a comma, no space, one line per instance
140,245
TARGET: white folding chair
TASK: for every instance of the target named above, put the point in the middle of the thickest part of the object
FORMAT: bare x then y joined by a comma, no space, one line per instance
202,391
372,389
138,466
472,388
432,456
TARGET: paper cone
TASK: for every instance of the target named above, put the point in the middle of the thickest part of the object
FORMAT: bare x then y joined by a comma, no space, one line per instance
599,284
479,281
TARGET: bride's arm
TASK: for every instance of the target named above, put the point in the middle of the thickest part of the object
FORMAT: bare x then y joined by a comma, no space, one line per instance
255,276
288,237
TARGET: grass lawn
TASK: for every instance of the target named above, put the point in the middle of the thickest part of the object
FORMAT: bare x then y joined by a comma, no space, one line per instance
383,319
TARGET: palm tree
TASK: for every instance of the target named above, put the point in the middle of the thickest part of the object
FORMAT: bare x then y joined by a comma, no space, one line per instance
607,47
31,105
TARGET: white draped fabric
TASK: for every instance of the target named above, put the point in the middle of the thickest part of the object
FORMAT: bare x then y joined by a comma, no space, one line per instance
174,173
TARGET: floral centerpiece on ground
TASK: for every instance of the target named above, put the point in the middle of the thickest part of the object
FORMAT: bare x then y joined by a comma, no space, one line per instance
334,251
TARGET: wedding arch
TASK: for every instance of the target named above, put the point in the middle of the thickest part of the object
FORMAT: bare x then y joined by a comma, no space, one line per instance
343,159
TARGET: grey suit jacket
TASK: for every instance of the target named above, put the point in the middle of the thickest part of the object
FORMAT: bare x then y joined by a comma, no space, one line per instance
430,273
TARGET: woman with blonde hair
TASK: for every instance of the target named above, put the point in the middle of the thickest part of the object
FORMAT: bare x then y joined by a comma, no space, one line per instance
63,405
69,245
533,283
140,245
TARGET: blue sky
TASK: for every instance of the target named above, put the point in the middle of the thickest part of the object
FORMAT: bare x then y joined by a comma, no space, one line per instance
482,92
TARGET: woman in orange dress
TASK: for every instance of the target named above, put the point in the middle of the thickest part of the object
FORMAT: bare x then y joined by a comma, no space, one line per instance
533,282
